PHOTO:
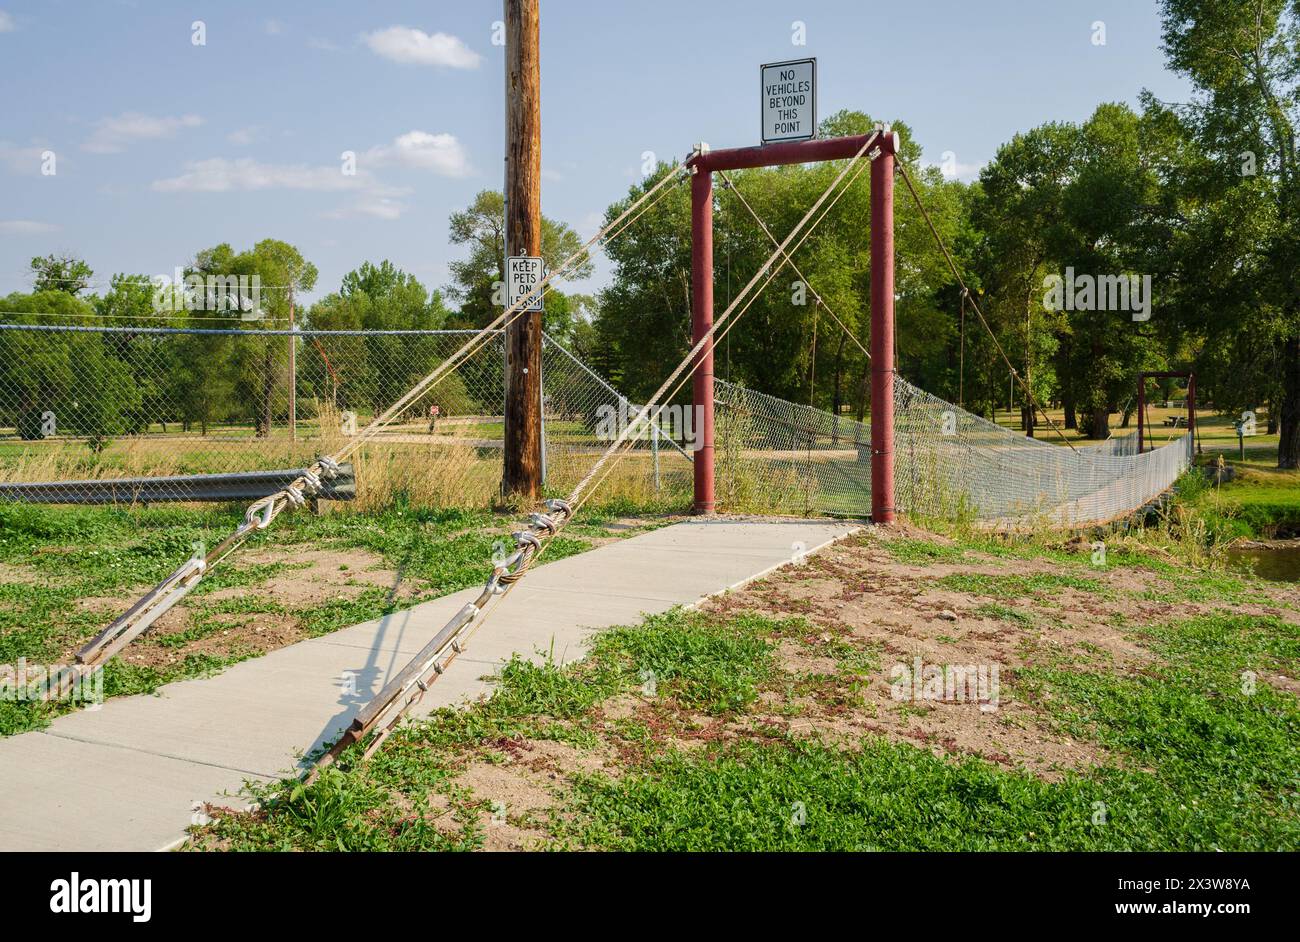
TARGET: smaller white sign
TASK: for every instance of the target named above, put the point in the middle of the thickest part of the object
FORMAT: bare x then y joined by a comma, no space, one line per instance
523,275
789,108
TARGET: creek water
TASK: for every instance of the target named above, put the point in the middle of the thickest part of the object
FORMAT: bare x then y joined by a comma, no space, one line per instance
1278,563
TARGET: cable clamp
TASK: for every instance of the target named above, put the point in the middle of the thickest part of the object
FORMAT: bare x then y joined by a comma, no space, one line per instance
266,507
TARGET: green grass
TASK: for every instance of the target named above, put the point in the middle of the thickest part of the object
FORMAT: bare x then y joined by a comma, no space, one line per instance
712,667
1260,501
905,550
1004,613
1039,584
1223,742
68,554
1195,762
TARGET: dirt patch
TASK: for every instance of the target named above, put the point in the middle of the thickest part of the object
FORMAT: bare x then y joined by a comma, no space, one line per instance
20,575
252,619
520,788
319,575
857,593
914,660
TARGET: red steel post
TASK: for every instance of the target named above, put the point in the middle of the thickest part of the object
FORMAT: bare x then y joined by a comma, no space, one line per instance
882,296
701,322
790,152
882,332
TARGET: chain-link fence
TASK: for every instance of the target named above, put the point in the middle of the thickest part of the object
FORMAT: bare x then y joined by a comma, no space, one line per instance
167,413
161,411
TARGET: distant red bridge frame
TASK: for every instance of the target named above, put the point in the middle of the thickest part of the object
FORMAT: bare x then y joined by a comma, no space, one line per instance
1142,402
882,295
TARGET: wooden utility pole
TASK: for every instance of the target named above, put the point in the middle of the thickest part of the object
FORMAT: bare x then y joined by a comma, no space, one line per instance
523,394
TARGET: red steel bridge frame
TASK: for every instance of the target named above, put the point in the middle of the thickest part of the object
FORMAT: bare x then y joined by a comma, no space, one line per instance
1142,401
703,164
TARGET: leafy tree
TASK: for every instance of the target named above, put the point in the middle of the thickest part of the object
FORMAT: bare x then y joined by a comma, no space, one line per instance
1070,201
481,228
373,371
151,359
64,383
261,362
784,344
1244,60
64,272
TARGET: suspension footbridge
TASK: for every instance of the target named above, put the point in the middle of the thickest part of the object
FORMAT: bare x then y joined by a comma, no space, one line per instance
918,455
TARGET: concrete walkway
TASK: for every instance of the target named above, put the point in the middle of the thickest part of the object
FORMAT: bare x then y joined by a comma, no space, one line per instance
129,775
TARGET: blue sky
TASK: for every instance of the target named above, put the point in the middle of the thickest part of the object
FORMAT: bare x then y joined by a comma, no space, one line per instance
163,147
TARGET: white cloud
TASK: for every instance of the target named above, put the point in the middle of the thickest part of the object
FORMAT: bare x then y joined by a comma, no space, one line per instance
6,23
22,159
379,207
440,153
223,175
112,135
415,47
243,136
273,28
953,169
26,227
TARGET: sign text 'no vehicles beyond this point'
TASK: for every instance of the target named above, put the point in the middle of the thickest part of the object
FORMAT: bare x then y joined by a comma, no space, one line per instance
789,100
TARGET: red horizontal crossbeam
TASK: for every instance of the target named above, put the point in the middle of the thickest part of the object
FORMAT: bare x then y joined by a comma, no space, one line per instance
789,152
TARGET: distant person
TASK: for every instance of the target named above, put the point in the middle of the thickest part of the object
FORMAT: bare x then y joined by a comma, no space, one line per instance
434,412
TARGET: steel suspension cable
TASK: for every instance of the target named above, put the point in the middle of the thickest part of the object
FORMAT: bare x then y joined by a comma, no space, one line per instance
980,314
408,687
261,513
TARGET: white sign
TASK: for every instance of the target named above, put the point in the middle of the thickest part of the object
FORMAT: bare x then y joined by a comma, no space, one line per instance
523,275
789,107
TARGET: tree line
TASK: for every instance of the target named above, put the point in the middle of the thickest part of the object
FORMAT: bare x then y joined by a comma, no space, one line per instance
1157,238
1161,237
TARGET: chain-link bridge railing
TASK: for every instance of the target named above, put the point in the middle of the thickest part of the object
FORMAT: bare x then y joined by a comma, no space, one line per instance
949,463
